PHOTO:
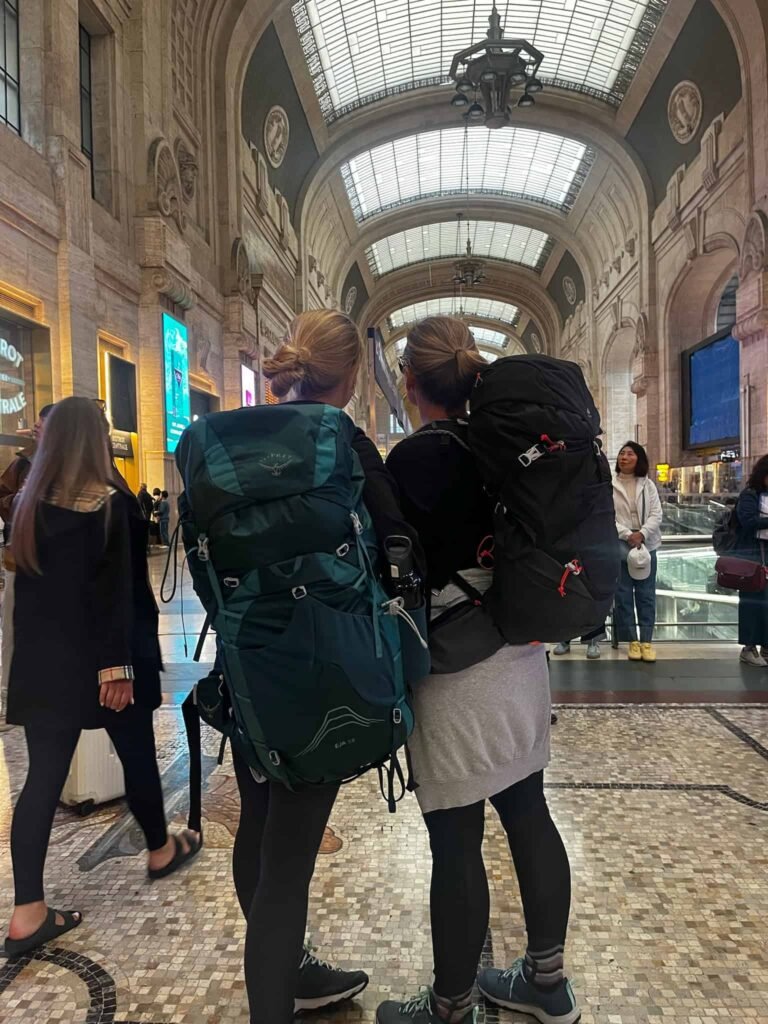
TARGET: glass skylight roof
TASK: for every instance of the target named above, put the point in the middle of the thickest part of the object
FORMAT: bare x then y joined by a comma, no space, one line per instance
490,239
361,50
485,336
520,163
488,309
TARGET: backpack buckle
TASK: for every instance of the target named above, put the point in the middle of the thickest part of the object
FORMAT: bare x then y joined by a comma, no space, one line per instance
202,548
397,716
528,458
231,581
299,593
343,551
274,757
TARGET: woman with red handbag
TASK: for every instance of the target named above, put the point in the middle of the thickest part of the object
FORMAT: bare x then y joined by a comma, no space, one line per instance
752,544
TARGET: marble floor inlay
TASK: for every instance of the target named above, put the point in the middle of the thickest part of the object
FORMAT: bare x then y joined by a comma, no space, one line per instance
664,811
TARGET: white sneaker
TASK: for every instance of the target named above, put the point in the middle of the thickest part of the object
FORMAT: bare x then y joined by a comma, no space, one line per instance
562,648
751,656
593,650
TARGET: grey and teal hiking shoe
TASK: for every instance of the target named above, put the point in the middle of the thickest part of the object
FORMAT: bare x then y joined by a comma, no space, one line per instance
511,990
321,984
420,1010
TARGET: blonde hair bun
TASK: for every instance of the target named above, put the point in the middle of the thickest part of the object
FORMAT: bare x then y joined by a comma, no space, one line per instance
322,347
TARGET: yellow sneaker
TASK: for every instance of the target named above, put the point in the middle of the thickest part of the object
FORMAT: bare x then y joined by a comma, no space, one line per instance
635,651
648,652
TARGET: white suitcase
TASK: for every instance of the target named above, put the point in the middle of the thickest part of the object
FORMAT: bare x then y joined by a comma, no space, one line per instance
96,775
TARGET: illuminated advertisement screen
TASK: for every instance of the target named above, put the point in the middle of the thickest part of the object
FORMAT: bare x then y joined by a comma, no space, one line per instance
248,381
178,413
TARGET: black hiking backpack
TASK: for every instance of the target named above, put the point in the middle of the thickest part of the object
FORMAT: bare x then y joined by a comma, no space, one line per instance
534,432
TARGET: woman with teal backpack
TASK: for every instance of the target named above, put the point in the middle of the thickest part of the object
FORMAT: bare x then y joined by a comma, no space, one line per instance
276,517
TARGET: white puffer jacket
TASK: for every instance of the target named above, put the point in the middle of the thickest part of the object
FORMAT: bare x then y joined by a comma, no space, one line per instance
649,511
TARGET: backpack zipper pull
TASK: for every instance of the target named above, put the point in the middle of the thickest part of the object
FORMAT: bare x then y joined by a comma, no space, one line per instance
356,523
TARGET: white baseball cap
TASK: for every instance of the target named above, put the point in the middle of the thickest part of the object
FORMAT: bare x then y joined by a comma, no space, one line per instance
639,563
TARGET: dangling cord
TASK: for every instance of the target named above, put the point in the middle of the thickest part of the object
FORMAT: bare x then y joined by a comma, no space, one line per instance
366,560
395,608
172,556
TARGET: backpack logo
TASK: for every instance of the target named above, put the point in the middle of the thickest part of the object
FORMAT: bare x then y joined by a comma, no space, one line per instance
276,463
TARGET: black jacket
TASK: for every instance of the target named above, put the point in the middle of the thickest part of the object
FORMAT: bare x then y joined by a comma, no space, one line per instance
92,608
750,521
442,497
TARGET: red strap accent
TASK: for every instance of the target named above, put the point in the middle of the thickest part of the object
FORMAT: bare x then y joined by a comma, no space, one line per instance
574,568
552,446
485,552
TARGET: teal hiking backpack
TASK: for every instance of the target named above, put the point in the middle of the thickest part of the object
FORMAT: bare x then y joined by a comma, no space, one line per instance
284,558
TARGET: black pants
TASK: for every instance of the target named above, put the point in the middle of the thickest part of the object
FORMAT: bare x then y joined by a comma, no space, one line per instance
459,899
50,756
276,847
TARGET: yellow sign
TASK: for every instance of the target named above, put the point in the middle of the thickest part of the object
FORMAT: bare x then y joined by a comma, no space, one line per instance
662,472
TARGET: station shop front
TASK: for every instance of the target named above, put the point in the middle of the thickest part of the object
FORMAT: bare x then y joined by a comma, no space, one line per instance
25,382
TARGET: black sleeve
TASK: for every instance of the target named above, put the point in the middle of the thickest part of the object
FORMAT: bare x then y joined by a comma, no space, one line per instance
382,498
113,591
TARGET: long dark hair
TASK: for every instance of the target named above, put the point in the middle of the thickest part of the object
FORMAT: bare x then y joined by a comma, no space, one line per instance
643,466
71,457
759,474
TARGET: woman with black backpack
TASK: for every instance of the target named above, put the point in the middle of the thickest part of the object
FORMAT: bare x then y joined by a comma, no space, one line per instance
481,733
752,544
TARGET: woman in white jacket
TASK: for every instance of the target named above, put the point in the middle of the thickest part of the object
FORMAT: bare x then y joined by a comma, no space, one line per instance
638,522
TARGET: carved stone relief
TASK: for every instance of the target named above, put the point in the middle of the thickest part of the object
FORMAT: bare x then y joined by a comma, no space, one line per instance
241,270
277,132
569,290
167,183
684,111
350,300
174,288
753,248
188,170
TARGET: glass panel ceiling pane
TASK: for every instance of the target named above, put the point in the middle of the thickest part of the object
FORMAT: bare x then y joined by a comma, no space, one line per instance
490,239
485,336
488,309
361,50
516,162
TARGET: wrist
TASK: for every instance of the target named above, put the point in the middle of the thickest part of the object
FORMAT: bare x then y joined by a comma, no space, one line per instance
118,674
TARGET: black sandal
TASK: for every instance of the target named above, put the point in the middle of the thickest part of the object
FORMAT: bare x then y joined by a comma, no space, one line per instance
180,858
47,931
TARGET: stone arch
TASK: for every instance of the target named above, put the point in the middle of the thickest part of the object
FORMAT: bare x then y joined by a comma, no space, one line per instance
619,402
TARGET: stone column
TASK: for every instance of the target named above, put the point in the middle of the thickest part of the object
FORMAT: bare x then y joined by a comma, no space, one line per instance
752,331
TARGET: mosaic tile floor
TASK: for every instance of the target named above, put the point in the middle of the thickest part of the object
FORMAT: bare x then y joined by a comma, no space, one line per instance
664,812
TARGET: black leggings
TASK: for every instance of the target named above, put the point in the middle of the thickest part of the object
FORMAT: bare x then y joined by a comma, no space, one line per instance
50,756
459,898
276,847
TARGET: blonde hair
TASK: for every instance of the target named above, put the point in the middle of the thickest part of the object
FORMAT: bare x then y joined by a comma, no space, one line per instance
73,456
443,356
321,349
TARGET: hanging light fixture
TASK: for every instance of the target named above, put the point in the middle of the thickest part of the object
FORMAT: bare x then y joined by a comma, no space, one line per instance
490,71
468,272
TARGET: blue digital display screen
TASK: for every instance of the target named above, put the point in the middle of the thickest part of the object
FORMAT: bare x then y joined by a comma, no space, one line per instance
714,393
178,413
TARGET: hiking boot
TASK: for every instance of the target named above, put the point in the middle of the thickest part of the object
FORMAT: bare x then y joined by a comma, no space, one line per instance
649,654
751,656
421,1010
635,651
511,990
321,984
593,650
562,648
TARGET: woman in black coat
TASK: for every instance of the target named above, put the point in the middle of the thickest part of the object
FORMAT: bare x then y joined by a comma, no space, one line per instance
752,544
85,652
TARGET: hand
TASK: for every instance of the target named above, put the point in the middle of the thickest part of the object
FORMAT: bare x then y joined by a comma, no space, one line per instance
636,540
116,695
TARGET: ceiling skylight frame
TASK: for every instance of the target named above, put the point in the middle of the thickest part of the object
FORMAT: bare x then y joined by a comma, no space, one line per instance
459,161
540,27
446,240
474,307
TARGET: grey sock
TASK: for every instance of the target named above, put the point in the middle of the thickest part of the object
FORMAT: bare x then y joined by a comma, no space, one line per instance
455,1010
545,969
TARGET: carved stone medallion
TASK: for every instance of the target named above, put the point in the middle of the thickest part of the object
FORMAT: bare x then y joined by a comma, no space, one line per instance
277,132
188,170
569,290
684,111
351,299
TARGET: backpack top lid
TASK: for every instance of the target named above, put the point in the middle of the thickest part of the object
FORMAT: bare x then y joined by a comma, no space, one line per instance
267,453
536,381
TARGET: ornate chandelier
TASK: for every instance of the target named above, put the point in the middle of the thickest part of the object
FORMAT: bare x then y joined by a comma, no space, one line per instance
487,73
468,271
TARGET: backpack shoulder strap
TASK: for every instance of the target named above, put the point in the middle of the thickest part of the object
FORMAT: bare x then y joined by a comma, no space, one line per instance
455,429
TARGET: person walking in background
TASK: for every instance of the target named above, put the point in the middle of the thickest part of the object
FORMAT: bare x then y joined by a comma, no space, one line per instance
752,544
84,653
483,733
11,482
146,504
162,512
638,522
